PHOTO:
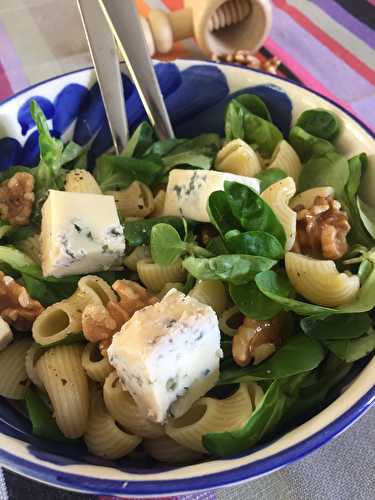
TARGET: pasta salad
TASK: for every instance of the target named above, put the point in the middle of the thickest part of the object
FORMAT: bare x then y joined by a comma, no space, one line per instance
189,297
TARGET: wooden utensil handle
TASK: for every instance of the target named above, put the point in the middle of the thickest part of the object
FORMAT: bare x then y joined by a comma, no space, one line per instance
217,25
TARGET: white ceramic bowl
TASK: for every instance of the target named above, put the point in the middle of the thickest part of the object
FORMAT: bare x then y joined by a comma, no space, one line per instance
64,99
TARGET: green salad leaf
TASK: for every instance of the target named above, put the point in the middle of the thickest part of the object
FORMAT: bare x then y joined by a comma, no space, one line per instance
118,172
166,245
241,123
312,397
351,350
220,213
269,176
337,326
328,169
279,397
42,421
138,232
141,140
298,354
307,145
236,269
252,211
255,105
254,243
252,302
320,123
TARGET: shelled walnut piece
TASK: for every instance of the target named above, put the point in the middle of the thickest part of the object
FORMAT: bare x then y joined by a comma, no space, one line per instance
100,323
248,60
256,340
17,199
322,229
16,305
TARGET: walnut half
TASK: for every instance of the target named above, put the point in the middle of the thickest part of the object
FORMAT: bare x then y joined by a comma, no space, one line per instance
16,305
100,323
256,340
322,229
17,198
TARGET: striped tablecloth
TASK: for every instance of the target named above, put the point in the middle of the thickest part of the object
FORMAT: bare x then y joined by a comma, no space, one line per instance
329,45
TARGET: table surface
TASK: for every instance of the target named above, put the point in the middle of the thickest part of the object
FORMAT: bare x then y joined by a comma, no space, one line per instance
328,45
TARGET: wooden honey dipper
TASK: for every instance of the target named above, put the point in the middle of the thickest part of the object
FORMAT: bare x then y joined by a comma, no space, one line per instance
219,26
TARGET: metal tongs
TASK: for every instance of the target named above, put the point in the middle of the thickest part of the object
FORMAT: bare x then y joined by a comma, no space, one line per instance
112,24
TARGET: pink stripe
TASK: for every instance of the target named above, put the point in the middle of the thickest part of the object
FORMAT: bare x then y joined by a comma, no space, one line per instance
372,2
11,62
306,77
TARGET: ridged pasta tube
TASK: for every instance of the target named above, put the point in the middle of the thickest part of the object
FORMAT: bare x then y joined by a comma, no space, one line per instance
60,369
212,293
278,196
154,276
31,247
139,253
95,365
65,317
319,281
103,437
81,181
286,159
32,356
211,415
135,201
124,410
164,449
237,157
13,377
307,198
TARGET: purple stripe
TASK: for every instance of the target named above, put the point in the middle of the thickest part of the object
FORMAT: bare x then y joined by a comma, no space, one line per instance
335,74
11,62
342,16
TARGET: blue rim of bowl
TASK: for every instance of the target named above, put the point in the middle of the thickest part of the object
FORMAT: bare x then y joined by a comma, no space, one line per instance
93,485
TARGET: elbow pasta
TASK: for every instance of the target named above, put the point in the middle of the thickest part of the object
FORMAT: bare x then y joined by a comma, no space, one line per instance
13,377
159,201
164,449
307,198
211,415
65,317
286,159
237,157
81,181
95,365
169,286
155,277
231,315
212,293
319,281
141,252
135,201
278,196
103,437
122,407
61,372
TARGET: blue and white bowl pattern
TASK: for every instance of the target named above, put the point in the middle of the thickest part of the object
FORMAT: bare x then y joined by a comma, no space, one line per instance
196,95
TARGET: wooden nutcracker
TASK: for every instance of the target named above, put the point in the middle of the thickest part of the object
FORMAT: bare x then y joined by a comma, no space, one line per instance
219,26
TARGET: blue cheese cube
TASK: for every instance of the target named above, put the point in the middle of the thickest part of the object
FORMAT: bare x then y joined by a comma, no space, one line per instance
81,233
167,355
188,191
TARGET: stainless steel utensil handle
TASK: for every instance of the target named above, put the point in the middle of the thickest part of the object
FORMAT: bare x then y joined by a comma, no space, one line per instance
123,20
105,58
